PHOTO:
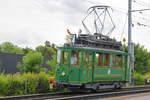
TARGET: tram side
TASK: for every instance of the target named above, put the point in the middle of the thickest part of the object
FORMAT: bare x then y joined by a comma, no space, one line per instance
94,69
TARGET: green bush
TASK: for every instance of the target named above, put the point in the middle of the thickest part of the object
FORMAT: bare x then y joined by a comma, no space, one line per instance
32,62
26,83
138,79
43,82
31,82
17,85
3,84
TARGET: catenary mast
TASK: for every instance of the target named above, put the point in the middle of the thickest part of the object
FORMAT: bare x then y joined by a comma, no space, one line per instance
130,43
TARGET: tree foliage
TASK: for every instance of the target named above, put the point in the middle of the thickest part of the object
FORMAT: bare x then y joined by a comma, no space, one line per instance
32,62
45,50
142,59
8,47
27,50
52,64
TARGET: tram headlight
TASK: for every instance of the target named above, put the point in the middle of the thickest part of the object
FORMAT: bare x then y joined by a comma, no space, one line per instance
63,73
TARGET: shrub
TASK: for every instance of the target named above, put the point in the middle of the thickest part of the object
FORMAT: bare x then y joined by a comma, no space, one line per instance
18,85
26,83
31,82
31,62
3,84
43,82
138,79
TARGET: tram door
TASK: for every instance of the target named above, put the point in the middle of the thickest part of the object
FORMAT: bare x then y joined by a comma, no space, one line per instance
86,68
75,62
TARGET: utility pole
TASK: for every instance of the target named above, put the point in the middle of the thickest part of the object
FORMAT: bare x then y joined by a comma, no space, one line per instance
130,44
129,25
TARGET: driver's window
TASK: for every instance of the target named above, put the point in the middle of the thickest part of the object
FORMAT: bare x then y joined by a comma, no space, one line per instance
75,57
65,57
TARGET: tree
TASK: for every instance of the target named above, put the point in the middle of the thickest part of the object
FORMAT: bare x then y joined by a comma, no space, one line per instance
52,64
46,51
27,50
49,50
8,47
142,59
32,62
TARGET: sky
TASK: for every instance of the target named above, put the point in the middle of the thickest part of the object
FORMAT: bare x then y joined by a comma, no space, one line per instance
29,23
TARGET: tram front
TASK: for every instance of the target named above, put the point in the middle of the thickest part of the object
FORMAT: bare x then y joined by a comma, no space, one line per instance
61,75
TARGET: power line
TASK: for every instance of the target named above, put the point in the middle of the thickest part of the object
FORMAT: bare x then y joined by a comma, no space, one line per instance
139,10
141,3
121,10
124,27
140,24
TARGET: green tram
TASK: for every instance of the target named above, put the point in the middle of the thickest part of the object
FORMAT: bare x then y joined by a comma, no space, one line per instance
91,68
93,61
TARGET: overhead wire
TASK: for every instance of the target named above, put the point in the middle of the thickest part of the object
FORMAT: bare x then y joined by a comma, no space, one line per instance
145,4
124,27
121,10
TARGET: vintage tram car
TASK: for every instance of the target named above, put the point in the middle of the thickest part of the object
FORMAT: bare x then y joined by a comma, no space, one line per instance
80,67
92,61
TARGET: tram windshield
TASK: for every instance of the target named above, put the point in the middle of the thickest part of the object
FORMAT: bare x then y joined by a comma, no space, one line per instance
65,58
58,56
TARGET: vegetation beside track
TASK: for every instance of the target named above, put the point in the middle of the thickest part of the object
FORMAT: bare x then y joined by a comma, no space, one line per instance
26,83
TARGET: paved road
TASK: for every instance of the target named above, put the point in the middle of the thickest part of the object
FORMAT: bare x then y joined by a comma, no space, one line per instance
144,96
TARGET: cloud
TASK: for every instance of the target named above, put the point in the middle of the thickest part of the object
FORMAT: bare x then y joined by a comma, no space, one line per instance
32,22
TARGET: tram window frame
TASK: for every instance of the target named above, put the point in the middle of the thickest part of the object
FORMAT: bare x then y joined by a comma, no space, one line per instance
124,61
90,59
65,60
78,55
98,59
119,62
85,58
113,60
106,60
58,56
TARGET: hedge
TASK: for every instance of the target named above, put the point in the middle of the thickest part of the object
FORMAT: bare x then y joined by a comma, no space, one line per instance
26,83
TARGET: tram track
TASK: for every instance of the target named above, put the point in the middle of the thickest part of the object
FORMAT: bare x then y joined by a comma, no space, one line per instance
81,95
102,95
34,96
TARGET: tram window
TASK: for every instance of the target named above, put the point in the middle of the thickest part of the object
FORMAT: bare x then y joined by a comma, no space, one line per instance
65,58
78,57
113,60
85,58
90,59
75,57
98,61
58,56
119,60
106,59
124,61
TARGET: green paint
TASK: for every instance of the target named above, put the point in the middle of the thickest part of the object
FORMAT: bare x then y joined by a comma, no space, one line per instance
85,74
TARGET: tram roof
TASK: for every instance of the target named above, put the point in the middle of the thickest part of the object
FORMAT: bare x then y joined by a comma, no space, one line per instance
94,49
